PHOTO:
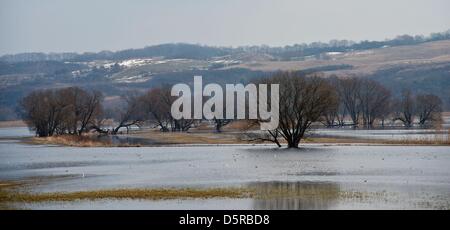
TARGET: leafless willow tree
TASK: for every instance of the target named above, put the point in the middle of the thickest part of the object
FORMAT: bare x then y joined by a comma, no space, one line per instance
302,101
129,114
349,92
219,123
61,111
374,99
405,108
83,108
387,111
429,108
157,103
335,113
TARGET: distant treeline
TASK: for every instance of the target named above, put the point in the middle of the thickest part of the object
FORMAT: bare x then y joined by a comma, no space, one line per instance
304,99
38,67
191,51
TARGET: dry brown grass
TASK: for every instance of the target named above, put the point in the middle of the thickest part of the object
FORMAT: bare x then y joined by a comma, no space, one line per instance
226,137
234,138
436,140
69,140
9,124
241,125
76,141
10,196
191,138
148,194
439,140
335,140
364,62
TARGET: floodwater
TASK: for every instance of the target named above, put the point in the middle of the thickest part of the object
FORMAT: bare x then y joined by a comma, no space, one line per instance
313,177
384,134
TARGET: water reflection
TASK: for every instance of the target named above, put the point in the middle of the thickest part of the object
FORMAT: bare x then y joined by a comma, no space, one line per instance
295,195
126,140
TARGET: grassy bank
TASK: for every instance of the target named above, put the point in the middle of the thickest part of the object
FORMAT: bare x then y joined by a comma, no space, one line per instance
207,137
11,124
419,141
211,138
148,194
76,141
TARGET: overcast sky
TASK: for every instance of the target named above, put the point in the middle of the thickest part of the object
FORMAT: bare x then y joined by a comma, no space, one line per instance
94,25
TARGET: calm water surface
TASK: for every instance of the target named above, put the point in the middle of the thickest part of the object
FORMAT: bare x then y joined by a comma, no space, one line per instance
314,177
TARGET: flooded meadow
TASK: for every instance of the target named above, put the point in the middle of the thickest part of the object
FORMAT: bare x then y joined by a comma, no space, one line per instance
316,176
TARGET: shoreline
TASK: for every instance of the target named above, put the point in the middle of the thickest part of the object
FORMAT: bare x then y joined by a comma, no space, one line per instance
12,124
70,141
232,137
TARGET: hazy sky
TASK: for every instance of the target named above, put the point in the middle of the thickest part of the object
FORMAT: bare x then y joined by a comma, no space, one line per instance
94,25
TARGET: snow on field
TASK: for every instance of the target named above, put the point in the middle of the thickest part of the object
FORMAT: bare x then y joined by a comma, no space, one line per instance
136,62
333,53
134,79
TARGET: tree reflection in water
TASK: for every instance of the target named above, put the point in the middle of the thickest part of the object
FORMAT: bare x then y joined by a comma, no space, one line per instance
295,195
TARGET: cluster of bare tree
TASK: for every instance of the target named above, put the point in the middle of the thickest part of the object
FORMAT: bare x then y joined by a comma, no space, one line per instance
303,100
355,102
426,108
362,100
156,104
61,111
152,107
366,102
75,111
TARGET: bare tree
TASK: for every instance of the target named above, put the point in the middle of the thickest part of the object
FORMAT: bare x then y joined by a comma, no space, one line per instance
303,100
83,108
349,92
270,136
331,116
429,108
88,107
157,103
129,114
405,109
182,125
387,110
373,99
219,123
60,111
40,113
335,114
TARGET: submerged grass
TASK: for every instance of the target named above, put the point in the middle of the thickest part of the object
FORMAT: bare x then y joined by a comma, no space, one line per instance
11,198
148,194
10,192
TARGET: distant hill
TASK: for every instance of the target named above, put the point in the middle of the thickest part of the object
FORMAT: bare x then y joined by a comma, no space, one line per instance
420,63
424,78
168,51
191,51
37,67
